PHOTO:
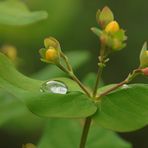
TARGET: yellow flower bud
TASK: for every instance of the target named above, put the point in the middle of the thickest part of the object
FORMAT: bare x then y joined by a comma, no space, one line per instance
112,27
51,54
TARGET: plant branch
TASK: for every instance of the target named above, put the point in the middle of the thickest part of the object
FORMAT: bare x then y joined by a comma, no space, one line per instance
69,67
74,77
80,84
101,65
127,80
85,132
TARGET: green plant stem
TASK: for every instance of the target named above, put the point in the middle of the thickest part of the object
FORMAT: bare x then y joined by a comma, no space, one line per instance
126,81
85,132
97,80
113,88
101,67
73,76
80,84
88,119
66,61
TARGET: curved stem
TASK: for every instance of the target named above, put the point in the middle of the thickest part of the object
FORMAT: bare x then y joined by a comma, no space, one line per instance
80,84
73,76
85,132
66,61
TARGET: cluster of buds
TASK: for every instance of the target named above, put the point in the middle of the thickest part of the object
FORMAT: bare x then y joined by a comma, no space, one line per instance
51,52
110,33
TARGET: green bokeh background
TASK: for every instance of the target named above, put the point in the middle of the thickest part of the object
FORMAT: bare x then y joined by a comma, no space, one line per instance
70,22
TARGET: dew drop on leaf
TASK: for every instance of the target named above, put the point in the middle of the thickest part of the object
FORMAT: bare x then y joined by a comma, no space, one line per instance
125,86
54,87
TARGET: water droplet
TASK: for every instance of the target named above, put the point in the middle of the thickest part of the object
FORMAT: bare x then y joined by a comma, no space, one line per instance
125,86
54,87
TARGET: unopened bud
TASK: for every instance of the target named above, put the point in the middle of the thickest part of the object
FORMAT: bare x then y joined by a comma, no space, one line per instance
51,42
145,71
144,56
112,27
104,17
51,55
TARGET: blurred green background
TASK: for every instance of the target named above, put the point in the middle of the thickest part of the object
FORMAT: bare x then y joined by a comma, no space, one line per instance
70,21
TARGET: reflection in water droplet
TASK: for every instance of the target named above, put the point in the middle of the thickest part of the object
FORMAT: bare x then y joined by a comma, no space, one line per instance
54,87
125,86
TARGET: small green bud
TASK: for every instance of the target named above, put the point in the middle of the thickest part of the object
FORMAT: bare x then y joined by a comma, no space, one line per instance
104,17
144,56
52,42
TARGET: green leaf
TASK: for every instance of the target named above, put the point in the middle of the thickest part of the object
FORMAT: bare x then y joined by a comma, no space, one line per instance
72,104
125,109
52,71
9,107
15,12
69,134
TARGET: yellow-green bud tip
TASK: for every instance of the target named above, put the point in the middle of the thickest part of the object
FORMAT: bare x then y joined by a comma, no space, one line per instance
51,42
51,54
144,56
112,27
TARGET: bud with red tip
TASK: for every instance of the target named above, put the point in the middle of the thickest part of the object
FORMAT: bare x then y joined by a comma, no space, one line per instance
145,71
104,17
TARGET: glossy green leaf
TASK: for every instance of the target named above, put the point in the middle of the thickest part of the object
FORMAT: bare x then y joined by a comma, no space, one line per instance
67,133
125,109
72,104
15,12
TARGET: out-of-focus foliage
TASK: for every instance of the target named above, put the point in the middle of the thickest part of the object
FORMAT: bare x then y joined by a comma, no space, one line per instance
70,132
15,12
70,22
